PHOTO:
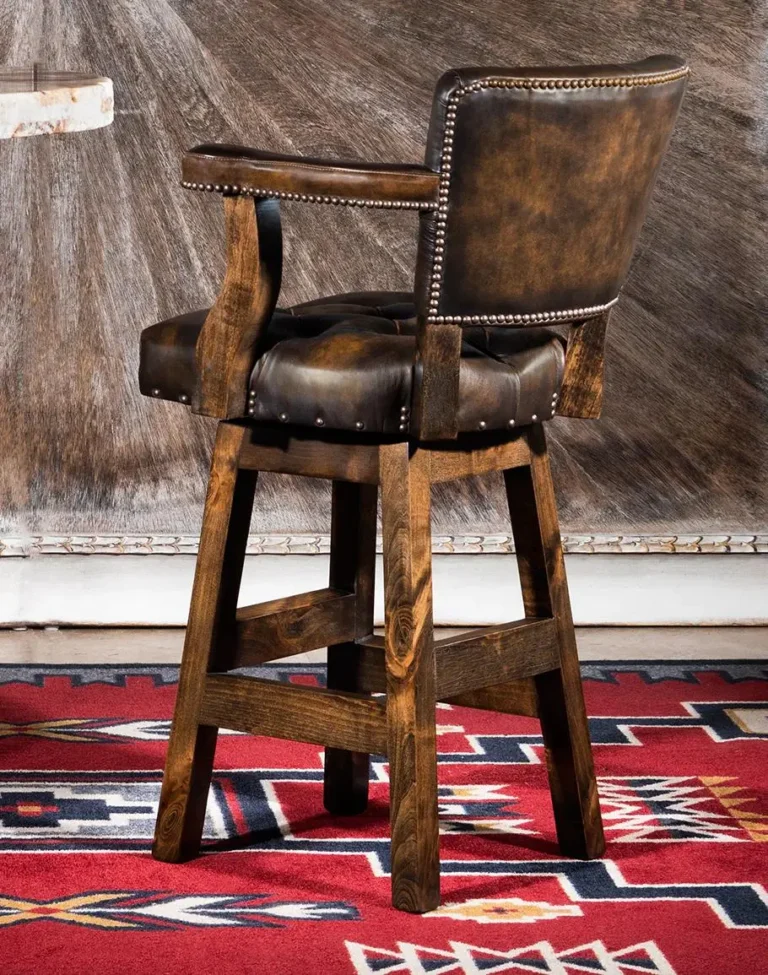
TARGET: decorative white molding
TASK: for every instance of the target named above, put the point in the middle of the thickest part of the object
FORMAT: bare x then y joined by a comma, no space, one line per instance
608,590
25,546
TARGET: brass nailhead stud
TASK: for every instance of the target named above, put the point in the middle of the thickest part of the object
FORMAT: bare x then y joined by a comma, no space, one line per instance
534,418
511,423
359,425
183,398
482,424
155,392
319,421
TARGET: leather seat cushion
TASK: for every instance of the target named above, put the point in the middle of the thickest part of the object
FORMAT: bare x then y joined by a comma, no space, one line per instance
345,362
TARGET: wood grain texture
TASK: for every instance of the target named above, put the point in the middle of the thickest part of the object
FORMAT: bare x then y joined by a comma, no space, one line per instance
499,665
514,697
316,715
559,693
486,654
494,655
583,382
293,624
228,343
277,450
98,240
207,643
436,404
410,664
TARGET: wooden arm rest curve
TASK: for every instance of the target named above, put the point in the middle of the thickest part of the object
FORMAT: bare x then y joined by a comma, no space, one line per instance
240,170
227,346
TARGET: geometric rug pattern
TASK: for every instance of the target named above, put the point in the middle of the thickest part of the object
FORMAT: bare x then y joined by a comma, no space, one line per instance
681,751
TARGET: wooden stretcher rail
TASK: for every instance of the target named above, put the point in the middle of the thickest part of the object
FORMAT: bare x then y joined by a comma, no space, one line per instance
488,663
282,627
321,717
495,655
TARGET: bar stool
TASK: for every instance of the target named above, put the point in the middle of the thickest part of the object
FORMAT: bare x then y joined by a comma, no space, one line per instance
533,193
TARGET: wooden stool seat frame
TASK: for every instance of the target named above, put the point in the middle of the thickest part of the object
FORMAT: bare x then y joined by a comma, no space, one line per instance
527,667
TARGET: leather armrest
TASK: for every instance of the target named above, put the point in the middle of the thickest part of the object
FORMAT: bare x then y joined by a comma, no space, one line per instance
239,170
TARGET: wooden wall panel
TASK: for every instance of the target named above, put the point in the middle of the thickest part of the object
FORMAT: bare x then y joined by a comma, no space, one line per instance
98,240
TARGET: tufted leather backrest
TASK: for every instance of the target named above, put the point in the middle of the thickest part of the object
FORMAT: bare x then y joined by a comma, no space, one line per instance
545,175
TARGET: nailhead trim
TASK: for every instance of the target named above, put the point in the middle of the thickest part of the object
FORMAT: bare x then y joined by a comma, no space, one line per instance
567,314
627,81
310,198
482,425
446,157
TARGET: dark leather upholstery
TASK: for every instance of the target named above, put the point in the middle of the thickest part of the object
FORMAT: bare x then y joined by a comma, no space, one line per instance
167,366
547,173
346,362
533,194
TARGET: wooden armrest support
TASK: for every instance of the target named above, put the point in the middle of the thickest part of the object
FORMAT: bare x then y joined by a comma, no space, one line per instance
582,391
227,346
239,170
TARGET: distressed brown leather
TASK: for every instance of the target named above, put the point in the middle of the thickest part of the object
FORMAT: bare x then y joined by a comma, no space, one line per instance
534,191
548,186
217,166
346,363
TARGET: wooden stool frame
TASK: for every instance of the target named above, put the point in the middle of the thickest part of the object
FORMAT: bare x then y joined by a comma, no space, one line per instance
528,667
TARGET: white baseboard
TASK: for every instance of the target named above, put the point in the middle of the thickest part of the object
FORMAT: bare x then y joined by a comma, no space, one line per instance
136,590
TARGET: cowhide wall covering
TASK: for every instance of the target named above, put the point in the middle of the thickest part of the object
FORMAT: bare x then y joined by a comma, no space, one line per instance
98,240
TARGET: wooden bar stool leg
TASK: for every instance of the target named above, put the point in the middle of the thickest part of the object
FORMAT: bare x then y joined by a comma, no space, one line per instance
353,567
410,665
189,762
560,696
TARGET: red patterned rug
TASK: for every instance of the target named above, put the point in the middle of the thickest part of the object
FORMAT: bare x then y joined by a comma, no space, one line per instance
682,755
